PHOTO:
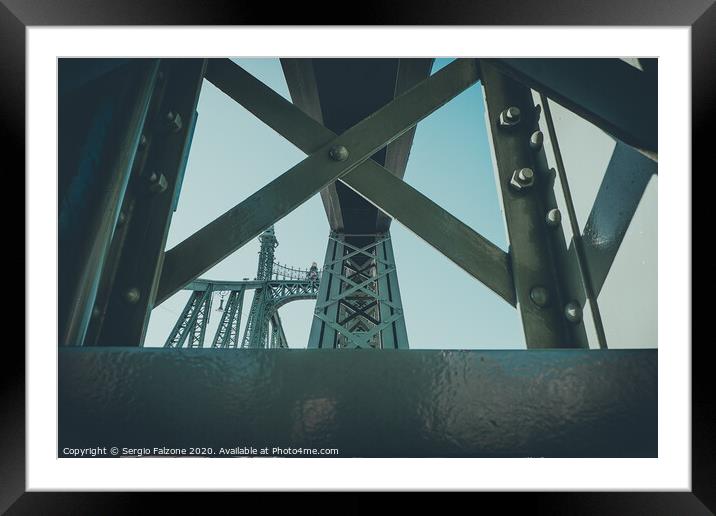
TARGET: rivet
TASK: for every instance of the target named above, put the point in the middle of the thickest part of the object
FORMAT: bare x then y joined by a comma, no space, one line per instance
553,217
539,296
510,116
573,312
132,295
338,153
536,140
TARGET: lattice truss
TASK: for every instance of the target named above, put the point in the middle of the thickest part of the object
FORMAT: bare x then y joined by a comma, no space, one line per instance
358,304
195,317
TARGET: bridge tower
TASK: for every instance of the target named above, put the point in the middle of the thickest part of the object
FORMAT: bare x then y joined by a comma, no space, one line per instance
358,304
256,334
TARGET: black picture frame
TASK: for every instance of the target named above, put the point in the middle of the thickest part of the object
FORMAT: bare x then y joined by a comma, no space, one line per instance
16,15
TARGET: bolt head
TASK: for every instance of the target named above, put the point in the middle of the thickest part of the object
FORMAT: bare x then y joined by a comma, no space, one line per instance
553,217
539,296
338,153
132,295
536,140
174,122
157,182
573,312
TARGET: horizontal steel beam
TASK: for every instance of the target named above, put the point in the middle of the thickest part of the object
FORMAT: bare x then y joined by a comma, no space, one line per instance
436,226
236,227
217,286
392,403
610,93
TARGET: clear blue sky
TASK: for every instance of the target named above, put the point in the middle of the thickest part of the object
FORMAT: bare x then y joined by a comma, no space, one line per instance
234,154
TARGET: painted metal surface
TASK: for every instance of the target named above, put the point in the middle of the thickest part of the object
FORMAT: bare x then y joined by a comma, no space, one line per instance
395,403
100,127
511,118
152,194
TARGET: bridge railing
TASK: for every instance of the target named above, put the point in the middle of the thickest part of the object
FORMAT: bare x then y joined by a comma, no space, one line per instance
285,272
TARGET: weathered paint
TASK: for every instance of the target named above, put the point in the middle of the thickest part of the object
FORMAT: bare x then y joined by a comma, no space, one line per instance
366,403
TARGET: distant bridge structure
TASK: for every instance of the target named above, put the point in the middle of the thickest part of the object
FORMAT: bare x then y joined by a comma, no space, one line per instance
275,285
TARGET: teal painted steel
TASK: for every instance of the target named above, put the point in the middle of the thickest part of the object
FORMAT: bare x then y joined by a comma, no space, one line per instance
394,403
358,304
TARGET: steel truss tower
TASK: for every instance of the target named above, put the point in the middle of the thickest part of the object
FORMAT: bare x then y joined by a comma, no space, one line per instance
256,334
275,285
358,303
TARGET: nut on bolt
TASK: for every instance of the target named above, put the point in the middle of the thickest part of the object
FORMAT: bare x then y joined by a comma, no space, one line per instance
157,182
522,178
510,116
174,122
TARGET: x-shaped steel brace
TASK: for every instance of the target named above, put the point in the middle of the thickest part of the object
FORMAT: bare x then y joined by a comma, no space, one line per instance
458,242
359,311
359,287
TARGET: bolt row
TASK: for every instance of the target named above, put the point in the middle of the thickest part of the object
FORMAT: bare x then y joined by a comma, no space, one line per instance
523,179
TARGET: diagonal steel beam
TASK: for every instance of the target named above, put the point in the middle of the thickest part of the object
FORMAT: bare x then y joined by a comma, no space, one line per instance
230,231
458,242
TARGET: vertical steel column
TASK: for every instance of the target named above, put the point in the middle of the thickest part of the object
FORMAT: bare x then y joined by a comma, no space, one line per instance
94,189
186,323
256,334
148,213
358,303
512,119
227,333
203,315
327,290
395,336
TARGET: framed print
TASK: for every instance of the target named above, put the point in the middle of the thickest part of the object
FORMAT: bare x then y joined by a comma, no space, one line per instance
400,257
